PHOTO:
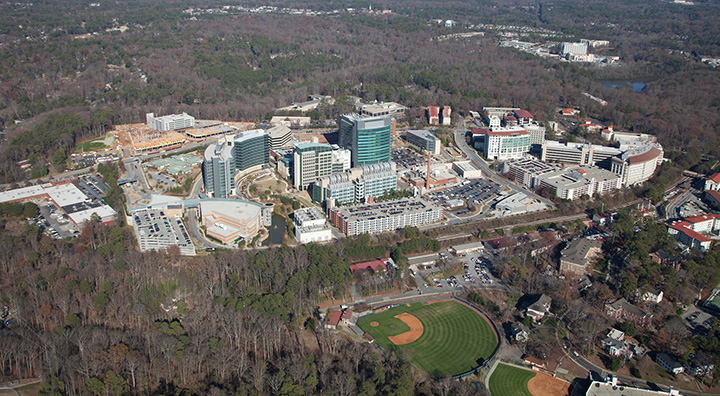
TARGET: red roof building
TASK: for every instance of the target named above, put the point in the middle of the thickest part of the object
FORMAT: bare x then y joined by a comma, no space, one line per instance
713,182
445,115
332,319
523,116
683,231
372,265
713,196
433,115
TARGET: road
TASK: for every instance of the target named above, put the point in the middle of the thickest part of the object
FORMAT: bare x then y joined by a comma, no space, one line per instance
482,165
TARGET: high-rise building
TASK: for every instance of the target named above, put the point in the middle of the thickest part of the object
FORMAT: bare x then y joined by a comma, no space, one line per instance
251,149
506,143
218,169
311,161
222,161
369,138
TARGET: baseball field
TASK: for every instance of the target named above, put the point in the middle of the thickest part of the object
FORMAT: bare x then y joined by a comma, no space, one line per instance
509,380
441,338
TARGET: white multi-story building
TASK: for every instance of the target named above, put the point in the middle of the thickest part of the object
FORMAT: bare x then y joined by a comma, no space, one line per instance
690,230
574,183
638,164
311,226
385,216
712,183
574,48
170,122
527,170
356,184
537,132
311,161
342,158
279,136
506,143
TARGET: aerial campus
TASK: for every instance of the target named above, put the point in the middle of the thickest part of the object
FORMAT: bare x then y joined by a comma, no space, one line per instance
195,186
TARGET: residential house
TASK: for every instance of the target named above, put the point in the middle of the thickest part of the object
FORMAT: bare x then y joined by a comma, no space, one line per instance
654,296
669,363
701,364
520,332
667,259
539,308
569,112
615,344
623,310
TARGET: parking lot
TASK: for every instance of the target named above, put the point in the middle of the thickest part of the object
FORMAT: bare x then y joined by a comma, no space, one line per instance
475,273
406,158
54,222
157,231
93,186
472,192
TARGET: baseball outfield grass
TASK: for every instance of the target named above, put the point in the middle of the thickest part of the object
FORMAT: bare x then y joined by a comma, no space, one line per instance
455,338
510,381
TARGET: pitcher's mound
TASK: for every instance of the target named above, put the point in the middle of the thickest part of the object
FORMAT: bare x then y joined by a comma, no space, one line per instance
374,324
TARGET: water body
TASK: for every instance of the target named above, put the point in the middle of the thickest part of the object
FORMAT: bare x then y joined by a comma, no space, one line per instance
637,86
277,230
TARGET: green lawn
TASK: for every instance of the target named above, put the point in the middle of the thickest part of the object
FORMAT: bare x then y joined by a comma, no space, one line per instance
95,144
510,381
455,340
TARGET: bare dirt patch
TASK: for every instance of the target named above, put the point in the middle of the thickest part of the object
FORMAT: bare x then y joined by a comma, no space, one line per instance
374,324
546,385
416,330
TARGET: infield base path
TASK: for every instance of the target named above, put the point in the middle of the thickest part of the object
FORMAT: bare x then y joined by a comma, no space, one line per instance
416,330
546,385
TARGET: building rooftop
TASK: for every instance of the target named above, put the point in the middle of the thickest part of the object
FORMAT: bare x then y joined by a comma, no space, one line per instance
715,177
506,131
714,194
523,114
684,227
243,136
278,131
577,251
308,214
422,133
629,308
608,389
701,218
385,209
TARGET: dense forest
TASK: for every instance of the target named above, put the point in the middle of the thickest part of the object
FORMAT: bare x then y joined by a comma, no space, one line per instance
95,317
73,58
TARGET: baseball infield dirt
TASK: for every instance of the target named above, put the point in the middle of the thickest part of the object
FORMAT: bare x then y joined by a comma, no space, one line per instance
416,330
546,385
